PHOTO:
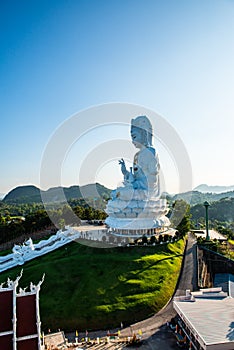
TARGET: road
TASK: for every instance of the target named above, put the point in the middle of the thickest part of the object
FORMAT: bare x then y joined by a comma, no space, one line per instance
187,280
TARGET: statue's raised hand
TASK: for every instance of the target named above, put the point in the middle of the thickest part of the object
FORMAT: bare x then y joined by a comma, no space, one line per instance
123,166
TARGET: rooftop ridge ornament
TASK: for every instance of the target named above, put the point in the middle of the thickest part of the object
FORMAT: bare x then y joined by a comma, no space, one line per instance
11,284
137,207
34,287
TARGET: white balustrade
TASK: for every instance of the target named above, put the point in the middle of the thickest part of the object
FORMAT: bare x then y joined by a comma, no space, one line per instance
28,250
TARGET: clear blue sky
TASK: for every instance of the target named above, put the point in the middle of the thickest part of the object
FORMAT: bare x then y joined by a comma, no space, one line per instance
59,57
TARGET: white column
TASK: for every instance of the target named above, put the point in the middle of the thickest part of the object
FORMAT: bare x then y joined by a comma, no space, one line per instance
37,288
14,320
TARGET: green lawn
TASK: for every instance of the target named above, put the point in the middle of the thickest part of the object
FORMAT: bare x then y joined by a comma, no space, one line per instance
93,288
5,252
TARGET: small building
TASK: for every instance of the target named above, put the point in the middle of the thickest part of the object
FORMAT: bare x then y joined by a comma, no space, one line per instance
206,319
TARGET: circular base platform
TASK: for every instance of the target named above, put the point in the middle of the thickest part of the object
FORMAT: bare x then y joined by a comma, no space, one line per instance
141,225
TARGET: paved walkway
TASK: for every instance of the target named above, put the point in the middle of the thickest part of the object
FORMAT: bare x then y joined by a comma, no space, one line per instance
155,334
188,278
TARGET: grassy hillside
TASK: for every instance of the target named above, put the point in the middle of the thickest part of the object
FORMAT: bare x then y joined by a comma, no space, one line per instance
91,288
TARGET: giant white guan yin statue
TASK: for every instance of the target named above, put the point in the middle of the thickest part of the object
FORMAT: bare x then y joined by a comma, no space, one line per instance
137,204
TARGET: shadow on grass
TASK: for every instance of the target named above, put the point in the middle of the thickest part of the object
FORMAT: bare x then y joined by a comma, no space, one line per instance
157,262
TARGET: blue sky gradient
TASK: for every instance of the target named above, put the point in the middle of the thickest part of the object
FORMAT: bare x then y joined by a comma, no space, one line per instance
59,57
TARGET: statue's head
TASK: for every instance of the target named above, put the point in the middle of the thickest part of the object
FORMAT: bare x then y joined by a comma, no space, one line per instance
141,131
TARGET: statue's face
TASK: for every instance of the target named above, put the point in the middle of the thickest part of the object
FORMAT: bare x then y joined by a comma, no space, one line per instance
136,134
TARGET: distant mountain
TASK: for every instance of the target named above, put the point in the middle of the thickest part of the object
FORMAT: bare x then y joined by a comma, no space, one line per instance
196,197
57,194
32,194
221,210
60,194
214,189
23,194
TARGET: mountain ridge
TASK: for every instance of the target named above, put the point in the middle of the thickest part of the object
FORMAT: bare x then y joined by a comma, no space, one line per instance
33,194
196,197
204,188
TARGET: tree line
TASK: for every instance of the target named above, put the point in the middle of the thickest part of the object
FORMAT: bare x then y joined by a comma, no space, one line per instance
24,219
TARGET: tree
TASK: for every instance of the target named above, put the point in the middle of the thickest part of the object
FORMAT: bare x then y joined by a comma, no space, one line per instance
181,216
61,224
88,213
160,238
2,220
79,211
69,216
226,231
185,225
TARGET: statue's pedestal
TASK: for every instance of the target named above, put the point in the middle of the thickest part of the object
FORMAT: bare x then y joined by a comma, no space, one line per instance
136,217
137,223
137,227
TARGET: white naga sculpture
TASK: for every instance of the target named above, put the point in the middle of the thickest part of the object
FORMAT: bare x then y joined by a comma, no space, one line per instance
137,204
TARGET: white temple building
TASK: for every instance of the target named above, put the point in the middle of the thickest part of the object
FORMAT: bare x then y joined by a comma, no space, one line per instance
206,319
